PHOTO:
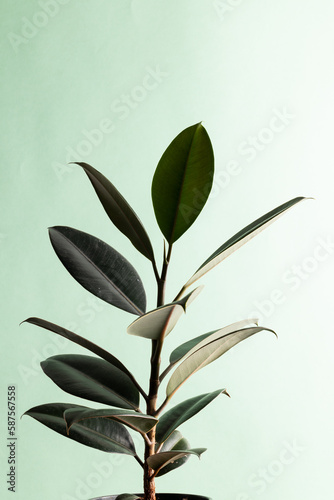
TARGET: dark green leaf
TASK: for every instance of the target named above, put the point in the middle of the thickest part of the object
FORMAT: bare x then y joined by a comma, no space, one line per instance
175,442
160,460
136,421
158,323
99,268
102,434
127,496
182,412
207,351
182,181
93,379
240,238
119,211
77,339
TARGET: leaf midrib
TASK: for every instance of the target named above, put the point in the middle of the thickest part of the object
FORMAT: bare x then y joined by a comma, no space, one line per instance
181,187
148,250
57,420
179,418
207,361
83,342
96,382
116,417
105,437
103,274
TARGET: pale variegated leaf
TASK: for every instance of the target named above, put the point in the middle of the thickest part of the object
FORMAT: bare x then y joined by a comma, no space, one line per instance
240,238
160,460
193,344
157,324
211,349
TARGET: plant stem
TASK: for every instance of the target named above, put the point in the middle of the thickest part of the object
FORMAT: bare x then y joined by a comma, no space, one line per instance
151,401
166,371
164,404
155,269
139,461
162,280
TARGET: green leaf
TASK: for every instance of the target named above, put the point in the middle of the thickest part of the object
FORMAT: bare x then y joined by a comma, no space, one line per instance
240,238
102,434
127,496
206,352
160,460
188,299
188,346
99,268
158,323
93,379
182,181
175,442
77,339
136,421
182,412
119,211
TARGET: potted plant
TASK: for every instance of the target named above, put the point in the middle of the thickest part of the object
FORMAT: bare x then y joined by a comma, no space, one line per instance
180,188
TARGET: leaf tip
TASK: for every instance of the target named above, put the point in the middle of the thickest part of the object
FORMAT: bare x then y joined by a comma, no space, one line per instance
272,331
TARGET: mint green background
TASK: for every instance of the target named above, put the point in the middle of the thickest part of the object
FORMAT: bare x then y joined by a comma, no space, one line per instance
230,67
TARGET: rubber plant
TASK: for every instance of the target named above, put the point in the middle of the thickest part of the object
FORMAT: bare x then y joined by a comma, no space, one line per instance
181,185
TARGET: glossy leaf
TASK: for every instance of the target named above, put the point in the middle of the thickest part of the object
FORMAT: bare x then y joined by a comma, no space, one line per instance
93,379
160,460
182,181
136,421
119,211
159,322
188,346
127,496
175,442
77,339
188,299
182,412
99,268
102,434
205,353
240,238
